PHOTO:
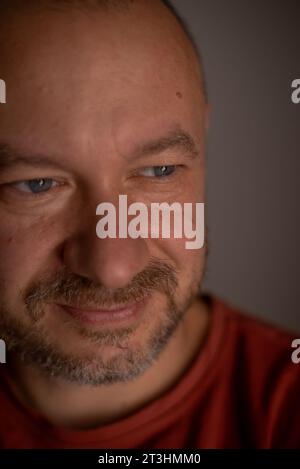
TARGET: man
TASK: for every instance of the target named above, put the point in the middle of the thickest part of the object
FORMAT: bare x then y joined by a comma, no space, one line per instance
110,344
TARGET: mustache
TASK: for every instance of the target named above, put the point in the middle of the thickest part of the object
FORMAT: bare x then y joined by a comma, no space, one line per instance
67,288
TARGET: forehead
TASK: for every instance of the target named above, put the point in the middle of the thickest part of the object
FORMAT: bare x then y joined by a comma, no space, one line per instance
95,72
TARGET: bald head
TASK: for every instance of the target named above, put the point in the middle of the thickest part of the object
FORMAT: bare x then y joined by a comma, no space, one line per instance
98,57
12,7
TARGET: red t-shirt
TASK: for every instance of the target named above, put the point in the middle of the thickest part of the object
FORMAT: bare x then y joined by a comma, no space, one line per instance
241,391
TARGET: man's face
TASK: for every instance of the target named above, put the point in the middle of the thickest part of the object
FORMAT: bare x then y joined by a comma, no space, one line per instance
85,93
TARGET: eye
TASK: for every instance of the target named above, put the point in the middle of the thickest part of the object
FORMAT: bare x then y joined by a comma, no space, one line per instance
35,186
158,171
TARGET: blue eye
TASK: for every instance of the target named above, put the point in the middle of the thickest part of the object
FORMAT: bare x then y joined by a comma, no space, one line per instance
35,186
158,171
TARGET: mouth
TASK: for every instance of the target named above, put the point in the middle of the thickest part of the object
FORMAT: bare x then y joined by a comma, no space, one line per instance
96,315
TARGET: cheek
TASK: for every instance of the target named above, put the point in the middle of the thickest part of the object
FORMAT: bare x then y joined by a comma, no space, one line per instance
24,248
188,263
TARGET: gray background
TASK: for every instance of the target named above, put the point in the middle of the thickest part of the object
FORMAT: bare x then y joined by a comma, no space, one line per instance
251,55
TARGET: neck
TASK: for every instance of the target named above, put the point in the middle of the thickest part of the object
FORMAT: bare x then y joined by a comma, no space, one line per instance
81,407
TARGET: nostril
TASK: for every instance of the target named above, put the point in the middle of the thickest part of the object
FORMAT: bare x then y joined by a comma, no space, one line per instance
112,263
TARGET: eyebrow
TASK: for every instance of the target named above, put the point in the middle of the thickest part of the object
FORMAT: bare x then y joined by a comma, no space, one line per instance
177,139
10,157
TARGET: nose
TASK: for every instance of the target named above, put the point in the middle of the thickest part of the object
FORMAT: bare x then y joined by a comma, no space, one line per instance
111,262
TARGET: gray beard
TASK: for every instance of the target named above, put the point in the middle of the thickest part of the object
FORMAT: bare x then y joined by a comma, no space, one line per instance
34,348
33,345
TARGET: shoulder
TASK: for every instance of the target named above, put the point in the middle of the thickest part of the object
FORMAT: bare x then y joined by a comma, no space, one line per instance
266,382
254,338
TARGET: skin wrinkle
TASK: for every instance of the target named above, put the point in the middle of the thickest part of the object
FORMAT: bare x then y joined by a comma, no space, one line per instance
177,139
67,288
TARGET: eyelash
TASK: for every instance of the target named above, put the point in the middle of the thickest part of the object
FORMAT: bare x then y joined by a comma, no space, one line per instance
164,177
28,193
57,183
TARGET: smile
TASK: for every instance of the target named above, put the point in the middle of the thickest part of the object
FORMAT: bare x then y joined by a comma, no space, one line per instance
100,315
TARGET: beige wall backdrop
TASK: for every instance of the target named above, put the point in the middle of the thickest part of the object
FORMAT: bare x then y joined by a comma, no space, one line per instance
251,53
